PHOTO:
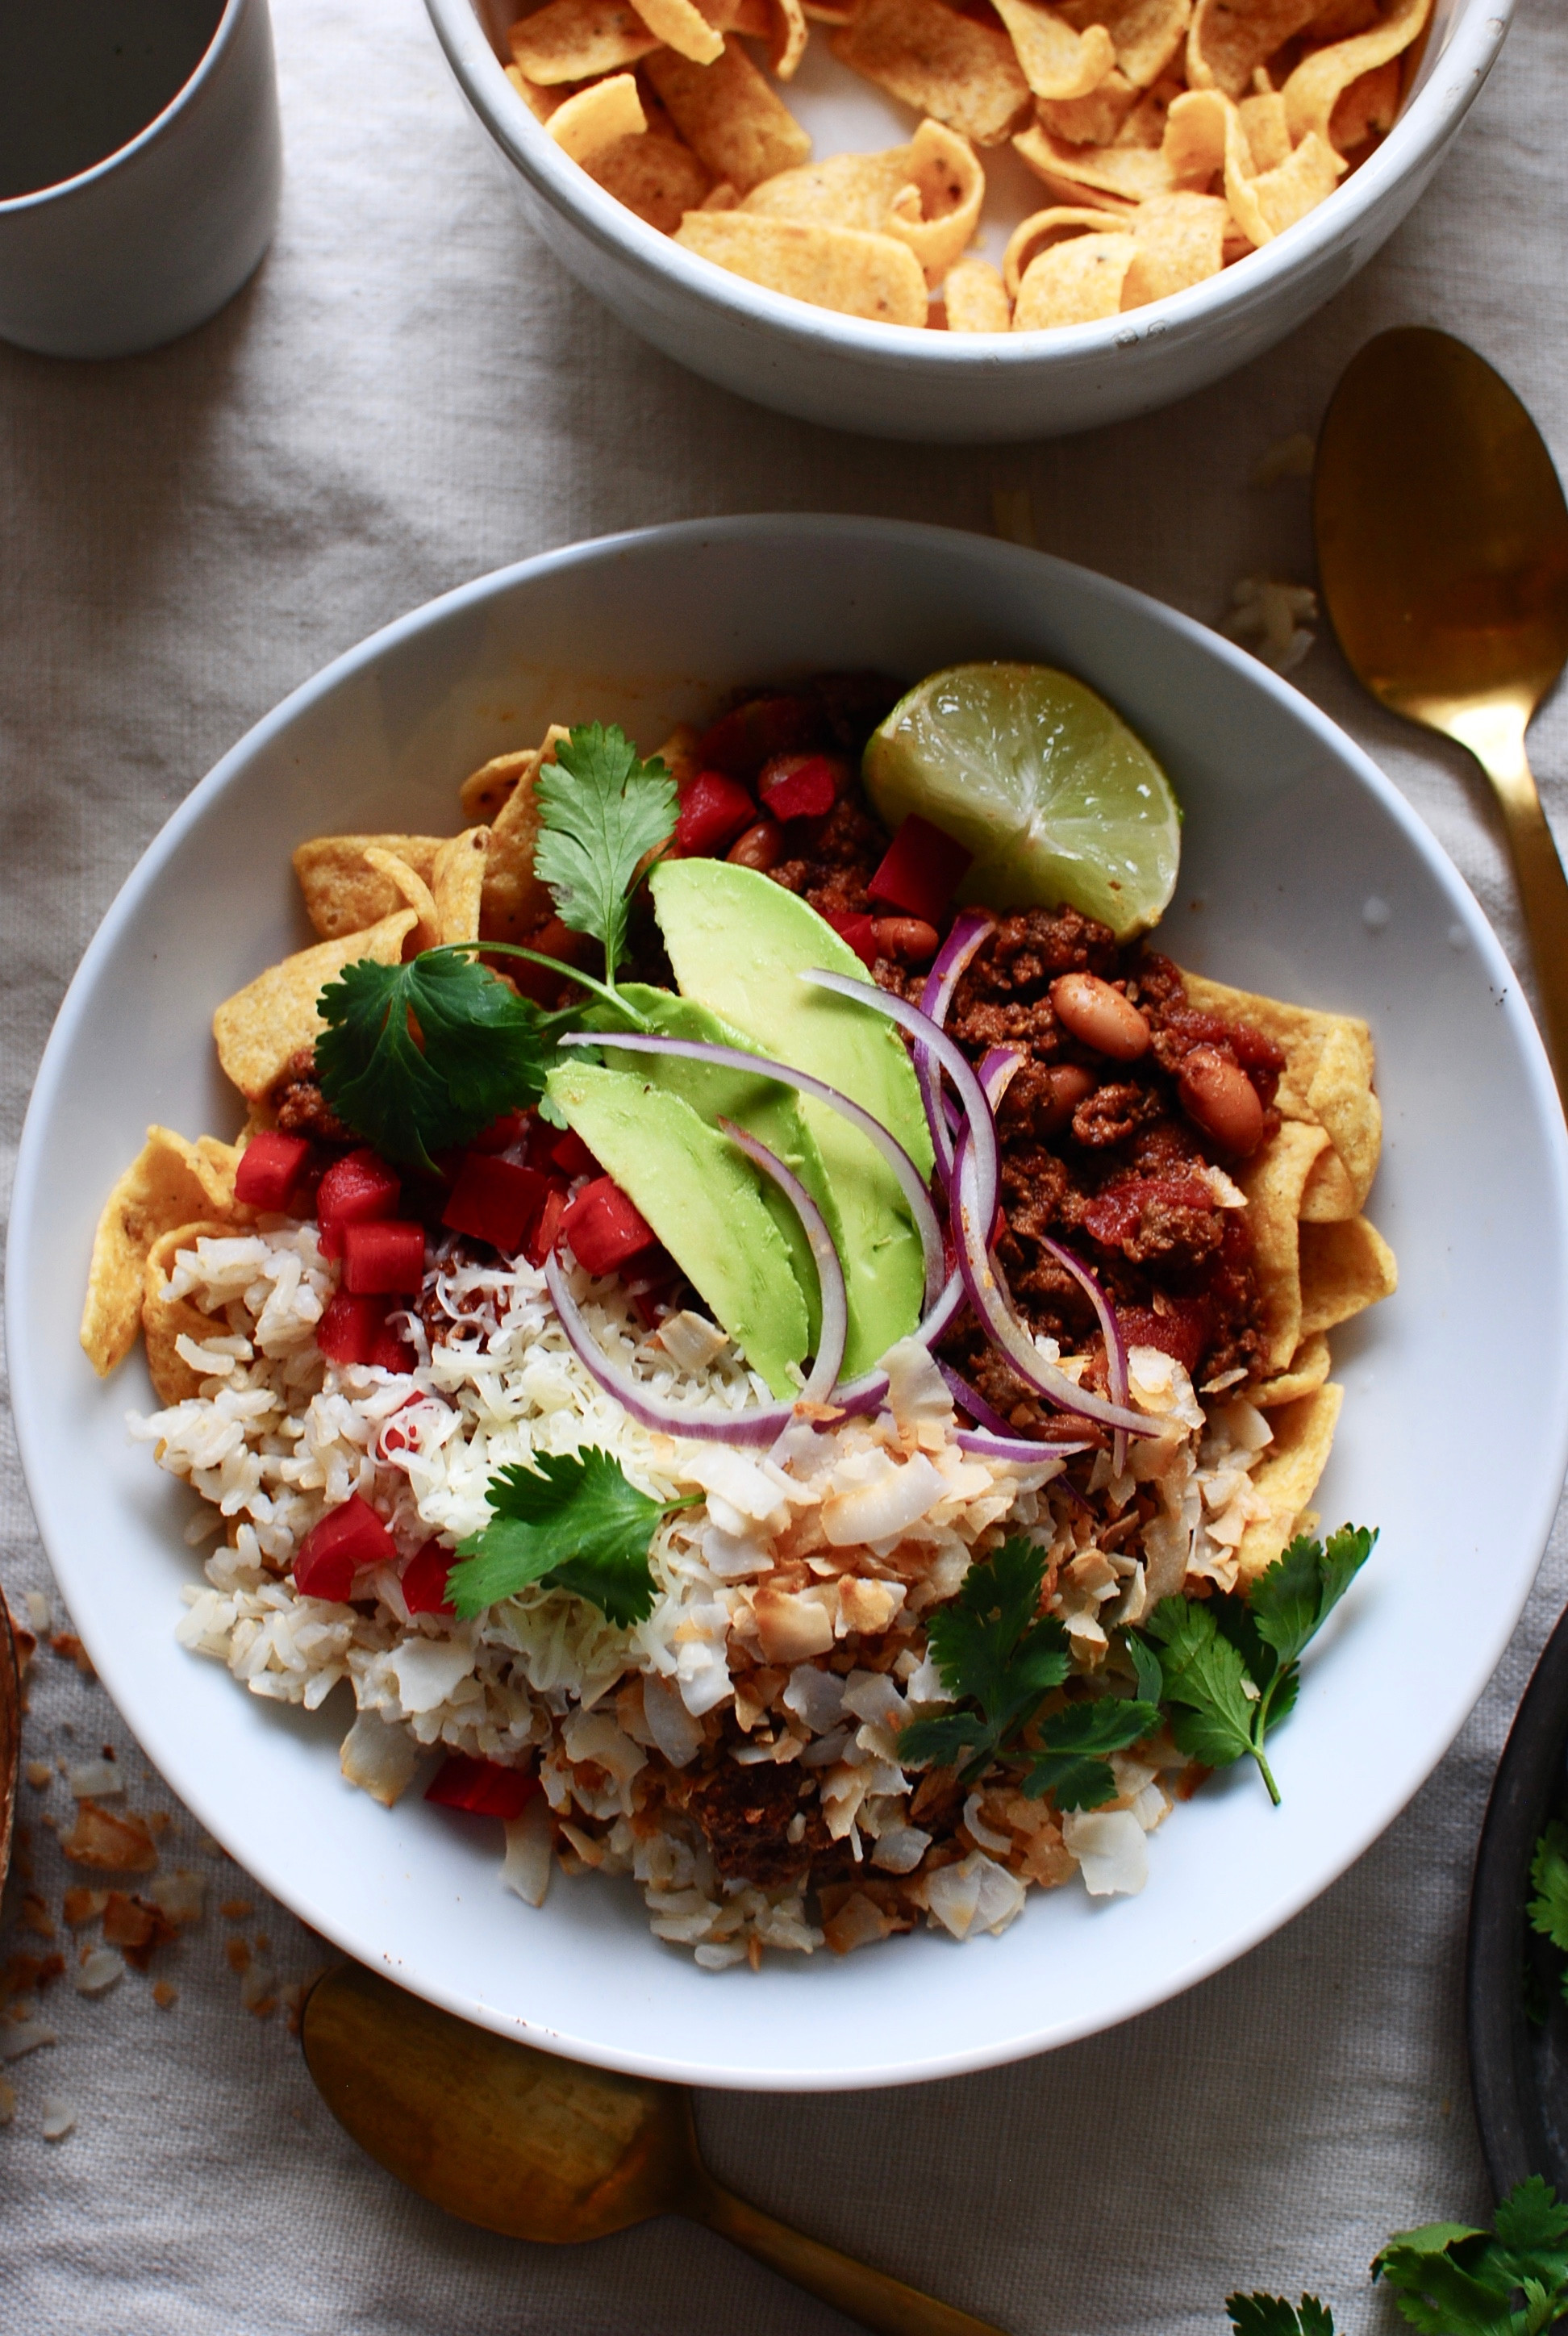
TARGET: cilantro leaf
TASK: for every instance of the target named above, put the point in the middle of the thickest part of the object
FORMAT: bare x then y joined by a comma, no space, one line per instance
1291,1602
484,1052
1549,1879
1073,1743
601,811
1271,2315
1203,1673
572,1521
1450,2280
1146,1668
992,1652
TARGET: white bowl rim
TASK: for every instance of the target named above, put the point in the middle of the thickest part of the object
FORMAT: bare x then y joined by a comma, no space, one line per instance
37,198
1430,118
1385,1796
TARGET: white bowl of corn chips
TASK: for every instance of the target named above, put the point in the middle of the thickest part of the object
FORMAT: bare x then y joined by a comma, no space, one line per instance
1303,875
891,215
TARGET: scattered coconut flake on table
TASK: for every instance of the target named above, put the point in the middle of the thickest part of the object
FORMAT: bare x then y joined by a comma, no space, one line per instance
1274,620
59,2116
20,2036
94,1780
7,2101
99,1970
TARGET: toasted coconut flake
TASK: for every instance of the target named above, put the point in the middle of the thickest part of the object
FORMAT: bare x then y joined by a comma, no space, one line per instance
113,1841
1109,1847
378,1757
99,1970
529,1852
20,2036
57,2116
975,1894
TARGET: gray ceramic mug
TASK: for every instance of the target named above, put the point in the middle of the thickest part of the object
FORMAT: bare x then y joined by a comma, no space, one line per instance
129,251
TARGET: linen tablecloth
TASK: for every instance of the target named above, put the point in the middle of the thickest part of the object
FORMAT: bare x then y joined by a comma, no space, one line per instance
410,393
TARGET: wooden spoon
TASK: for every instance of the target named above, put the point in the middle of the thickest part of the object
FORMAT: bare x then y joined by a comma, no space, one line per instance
1443,553
537,2148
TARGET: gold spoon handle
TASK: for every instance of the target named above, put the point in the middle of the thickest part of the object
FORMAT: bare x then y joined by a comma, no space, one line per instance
852,2288
1495,736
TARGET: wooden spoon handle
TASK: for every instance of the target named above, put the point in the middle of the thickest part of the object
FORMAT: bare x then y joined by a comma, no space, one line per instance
852,2288
1498,746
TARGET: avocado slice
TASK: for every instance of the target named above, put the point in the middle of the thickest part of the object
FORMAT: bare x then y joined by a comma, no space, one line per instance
700,1195
738,941
764,1109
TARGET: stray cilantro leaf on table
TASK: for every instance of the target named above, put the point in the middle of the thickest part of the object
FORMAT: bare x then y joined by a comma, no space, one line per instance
1271,2315
601,811
993,1653
1450,2280
484,1051
1231,1664
572,1521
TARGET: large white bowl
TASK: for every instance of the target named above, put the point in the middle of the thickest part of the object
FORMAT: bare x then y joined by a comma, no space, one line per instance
1455,1431
895,381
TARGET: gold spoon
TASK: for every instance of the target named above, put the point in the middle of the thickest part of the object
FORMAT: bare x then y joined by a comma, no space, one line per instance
537,2148
1442,554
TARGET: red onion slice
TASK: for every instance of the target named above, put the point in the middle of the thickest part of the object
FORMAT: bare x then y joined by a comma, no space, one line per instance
924,1031
768,1421
1111,1329
1002,1326
969,928
986,1446
761,1425
763,1067
834,1328
974,1403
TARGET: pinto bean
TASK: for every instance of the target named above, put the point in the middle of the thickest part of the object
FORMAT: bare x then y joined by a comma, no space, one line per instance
910,939
1070,1082
1100,1017
1219,1095
761,847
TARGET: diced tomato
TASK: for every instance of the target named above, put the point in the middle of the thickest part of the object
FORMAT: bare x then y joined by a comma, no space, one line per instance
544,1238
1182,1330
922,871
740,742
355,1191
1115,1215
857,930
713,811
553,940
484,1787
383,1259
571,1155
350,1536
391,1353
604,1228
495,1201
798,786
424,1579
348,1330
270,1169
512,1127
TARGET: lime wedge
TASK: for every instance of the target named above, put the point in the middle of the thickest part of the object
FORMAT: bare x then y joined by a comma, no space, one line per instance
1047,786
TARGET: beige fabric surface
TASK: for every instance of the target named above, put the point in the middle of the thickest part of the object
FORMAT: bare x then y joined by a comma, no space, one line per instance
409,394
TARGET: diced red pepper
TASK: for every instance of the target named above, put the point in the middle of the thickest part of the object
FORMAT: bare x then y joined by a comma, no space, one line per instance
348,1330
544,1238
713,811
857,930
922,871
383,1259
799,786
484,1787
390,1352
1184,1329
270,1169
424,1580
495,1201
355,1191
350,1536
571,1155
739,744
604,1228
512,1127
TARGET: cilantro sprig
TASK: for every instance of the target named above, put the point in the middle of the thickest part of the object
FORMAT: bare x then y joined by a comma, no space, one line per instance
1449,2280
1548,1908
1271,2315
572,1521
601,811
998,1659
1232,1666
418,1057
